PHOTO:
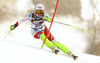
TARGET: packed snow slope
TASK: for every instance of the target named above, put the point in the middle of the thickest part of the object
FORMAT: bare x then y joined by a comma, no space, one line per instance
21,47
16,52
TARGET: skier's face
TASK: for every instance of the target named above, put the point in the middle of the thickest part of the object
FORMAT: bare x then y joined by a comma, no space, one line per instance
39,13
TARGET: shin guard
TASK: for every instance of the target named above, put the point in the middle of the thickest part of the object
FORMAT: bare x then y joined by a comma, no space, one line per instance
47,42
61,46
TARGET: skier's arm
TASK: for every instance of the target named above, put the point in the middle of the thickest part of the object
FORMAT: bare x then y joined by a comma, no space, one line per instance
47,17
19,22
13,27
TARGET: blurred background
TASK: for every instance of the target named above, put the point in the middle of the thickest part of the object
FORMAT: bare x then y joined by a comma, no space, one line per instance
81,13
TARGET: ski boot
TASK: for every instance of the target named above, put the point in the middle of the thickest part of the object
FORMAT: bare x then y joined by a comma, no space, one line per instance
74,57
55,50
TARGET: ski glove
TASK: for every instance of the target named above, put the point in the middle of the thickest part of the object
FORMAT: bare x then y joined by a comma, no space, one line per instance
47,18
12,27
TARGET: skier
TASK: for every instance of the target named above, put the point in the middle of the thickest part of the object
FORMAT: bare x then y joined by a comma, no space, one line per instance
39,30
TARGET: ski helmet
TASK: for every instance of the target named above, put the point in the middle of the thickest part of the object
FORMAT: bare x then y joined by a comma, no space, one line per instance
39,7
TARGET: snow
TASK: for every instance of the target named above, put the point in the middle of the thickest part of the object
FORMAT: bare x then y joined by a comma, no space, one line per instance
21,47
23,6
16,52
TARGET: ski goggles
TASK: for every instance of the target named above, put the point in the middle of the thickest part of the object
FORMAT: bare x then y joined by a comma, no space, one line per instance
39,11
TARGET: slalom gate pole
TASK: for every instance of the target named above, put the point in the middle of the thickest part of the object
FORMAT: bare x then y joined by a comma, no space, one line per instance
51,23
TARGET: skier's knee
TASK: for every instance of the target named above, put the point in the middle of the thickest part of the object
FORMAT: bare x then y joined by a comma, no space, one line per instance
37,35
53,41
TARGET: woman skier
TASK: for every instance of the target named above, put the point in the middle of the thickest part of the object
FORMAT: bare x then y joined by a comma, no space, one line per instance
39,30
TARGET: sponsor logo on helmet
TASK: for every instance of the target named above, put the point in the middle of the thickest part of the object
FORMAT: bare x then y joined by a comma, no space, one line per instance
40,7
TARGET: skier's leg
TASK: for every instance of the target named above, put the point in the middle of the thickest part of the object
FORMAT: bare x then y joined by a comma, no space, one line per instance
48,43
50,36
40,35
57,44
61,46
64,49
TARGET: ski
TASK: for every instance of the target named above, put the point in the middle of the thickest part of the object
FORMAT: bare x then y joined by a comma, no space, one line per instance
56,51
74,57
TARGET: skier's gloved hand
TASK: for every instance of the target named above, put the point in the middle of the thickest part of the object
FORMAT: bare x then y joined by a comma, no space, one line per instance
47,18
12,27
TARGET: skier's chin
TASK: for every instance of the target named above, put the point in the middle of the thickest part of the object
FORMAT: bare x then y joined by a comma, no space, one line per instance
39,15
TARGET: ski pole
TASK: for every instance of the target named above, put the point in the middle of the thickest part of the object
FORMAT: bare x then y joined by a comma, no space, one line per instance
51,23
68,25
75,27
7,33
